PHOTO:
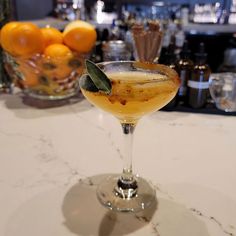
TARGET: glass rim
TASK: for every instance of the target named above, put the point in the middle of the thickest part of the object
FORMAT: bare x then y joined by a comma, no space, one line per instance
149,67
114,62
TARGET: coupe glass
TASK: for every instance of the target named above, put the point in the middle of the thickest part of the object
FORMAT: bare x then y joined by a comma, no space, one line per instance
137,89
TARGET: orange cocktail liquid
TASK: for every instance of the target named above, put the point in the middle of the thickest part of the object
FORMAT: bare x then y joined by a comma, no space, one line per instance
134,94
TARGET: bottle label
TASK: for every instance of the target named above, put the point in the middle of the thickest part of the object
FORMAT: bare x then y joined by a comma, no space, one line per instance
198,85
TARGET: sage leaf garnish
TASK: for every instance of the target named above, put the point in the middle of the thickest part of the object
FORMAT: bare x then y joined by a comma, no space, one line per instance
98,77
86,83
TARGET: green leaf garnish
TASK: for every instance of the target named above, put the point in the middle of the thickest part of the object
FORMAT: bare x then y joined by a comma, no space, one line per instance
86,83
98,77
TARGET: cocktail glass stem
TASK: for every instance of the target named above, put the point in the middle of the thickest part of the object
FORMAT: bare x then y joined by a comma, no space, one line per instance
127,184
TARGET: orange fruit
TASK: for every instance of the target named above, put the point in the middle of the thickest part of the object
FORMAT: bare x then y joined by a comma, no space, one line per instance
31,79
57,59
51,36
5,36
30,73
26,39
79,36
58,51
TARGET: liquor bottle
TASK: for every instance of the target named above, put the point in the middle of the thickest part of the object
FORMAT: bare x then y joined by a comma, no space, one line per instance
184,67
198,85
169,58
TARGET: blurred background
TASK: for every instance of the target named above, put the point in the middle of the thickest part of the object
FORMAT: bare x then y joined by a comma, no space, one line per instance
202,11
198,37
212,22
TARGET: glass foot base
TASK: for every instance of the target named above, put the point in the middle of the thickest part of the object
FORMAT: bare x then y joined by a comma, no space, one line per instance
143,198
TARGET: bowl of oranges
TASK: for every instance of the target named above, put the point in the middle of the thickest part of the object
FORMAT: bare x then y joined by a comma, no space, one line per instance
45,62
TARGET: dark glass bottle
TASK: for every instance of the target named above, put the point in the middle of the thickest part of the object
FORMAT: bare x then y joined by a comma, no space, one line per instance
198,85
169,59
169,56
184,67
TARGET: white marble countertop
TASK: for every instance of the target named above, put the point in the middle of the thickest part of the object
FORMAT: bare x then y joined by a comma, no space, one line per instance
51,160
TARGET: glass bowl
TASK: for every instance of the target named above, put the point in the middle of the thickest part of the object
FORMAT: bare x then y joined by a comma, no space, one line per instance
46,78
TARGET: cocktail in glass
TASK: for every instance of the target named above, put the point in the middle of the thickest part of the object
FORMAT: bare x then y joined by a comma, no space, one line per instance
137,89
